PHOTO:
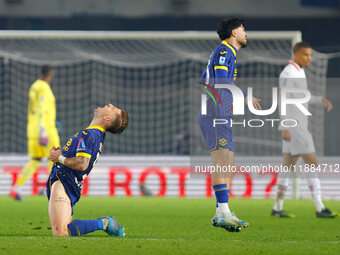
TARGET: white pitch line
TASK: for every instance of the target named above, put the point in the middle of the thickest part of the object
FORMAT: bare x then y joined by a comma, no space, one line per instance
169,239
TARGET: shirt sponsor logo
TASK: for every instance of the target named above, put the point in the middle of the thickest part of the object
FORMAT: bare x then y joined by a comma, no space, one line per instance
81,145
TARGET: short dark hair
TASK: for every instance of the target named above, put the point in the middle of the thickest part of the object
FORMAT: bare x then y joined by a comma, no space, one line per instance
45,70
119,124
226,26
298,46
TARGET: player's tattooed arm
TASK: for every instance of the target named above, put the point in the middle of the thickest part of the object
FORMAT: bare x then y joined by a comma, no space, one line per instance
77,163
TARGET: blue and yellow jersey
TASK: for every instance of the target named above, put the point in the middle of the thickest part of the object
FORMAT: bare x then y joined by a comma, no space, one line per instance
86,143
41,108
221,69
222,64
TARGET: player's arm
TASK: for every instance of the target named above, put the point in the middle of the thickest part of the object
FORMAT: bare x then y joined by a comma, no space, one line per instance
223,68
223,73
79,163
285,81
43,115
255,101
319,99
82,159
327,104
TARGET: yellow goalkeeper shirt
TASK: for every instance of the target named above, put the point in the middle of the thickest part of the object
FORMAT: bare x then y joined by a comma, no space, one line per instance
41,108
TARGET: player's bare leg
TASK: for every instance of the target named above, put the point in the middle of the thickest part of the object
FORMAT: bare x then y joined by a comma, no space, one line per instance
221,183
60,210
222,158
289,161
315,187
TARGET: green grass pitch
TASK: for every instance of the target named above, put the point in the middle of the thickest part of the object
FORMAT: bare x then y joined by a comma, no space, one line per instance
170,226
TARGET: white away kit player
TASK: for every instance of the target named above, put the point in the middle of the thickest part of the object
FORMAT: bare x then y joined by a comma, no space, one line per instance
297,141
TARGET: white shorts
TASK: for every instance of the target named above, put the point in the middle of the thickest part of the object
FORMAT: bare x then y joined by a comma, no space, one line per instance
301,142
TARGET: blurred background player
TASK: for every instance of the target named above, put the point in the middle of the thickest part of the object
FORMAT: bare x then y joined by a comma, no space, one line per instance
222,68
72,165
42,133
298,141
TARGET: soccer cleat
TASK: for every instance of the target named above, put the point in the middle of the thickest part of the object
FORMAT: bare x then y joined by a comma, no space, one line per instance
113,227
229,222
232,220
15,195
326,213
282,214
219,222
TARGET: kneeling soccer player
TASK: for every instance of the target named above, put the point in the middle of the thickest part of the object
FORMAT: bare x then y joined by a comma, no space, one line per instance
72,165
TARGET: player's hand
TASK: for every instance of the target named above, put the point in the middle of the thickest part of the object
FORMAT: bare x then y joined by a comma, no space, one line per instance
285,135
54,154
328,104
43,137
256,103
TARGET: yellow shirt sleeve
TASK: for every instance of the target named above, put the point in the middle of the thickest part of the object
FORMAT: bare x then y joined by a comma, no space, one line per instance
46,109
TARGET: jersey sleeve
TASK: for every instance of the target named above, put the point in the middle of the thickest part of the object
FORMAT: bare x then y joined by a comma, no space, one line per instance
288,81
85,145
44,106
222,65
316,99
223,68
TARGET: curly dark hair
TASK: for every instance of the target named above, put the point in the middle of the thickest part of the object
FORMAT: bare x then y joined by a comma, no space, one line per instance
226,26
119,124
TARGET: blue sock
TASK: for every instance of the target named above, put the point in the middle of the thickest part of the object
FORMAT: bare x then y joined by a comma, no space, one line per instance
221,193
82,227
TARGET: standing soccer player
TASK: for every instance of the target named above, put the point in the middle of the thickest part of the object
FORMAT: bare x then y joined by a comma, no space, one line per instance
72,165
222,69
298,141
42,133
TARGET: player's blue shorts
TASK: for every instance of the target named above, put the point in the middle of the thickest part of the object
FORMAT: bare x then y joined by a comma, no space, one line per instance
218,137
71,188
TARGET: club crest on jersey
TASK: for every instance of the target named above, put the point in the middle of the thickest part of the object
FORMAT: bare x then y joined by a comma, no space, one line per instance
222,60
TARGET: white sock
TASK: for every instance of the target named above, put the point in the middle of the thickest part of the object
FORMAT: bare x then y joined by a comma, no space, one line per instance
278,205
315,188
217,210
282,185
223,208
282,179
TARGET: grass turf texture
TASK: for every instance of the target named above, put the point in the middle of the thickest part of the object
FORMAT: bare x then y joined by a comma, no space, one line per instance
170,226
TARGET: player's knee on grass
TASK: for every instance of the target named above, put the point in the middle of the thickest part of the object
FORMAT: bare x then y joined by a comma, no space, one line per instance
60,230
